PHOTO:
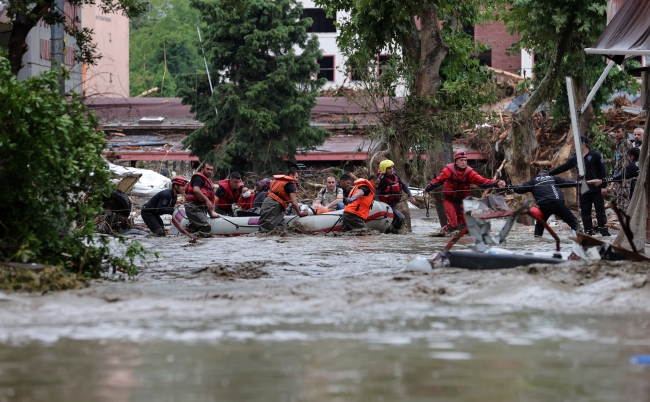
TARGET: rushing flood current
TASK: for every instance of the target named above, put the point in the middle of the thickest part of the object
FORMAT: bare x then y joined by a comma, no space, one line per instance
323,318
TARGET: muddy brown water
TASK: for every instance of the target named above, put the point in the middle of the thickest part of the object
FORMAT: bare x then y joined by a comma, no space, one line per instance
318,318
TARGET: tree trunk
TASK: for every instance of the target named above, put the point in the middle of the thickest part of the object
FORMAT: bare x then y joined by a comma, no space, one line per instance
433,51
21,25
437,157
521,143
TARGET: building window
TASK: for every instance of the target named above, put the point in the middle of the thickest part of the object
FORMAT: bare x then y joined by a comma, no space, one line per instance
485,58
327,67
469,30
382,61
355,75
45,49
321,22
68,56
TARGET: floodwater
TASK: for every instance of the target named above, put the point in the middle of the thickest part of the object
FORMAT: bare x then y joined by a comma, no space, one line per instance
320,318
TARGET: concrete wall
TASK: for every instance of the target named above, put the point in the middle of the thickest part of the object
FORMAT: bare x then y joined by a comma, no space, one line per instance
110,77
37,57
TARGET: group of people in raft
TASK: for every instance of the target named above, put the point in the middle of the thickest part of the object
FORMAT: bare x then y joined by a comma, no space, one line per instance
275,198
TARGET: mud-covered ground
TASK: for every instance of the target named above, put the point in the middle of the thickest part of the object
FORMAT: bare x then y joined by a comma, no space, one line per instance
316,275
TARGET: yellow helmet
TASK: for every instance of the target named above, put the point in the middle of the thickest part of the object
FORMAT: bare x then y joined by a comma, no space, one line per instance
383,165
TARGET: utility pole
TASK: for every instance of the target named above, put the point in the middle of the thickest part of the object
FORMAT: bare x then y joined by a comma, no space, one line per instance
58,33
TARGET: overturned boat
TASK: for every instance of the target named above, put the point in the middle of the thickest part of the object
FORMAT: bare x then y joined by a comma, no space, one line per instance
485,253
379,218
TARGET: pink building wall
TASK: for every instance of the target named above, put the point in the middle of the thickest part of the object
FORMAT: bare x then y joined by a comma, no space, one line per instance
110,77
495,36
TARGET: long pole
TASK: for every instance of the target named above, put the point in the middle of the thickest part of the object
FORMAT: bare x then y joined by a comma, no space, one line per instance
597,86
57,31
576,134
206,67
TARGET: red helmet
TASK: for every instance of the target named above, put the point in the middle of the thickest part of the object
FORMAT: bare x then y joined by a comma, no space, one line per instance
536,213
460,154
179,180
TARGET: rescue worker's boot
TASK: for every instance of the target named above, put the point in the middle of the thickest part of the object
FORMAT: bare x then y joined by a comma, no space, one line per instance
445,231
604,232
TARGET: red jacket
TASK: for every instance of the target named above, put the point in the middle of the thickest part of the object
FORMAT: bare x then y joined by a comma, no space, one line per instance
246,203
456,183
230,197
207,190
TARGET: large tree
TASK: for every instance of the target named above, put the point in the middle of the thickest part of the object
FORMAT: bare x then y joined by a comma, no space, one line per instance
263,62
556,31
26,14
445,84
162,45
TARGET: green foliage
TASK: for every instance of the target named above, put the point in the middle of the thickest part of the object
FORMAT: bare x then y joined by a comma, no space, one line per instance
264,91
384,26
166,31
54,177
427,121
617,80
600,141
543,25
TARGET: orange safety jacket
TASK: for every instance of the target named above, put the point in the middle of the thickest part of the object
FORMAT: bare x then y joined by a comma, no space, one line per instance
277,189
207,190
230,197
361,206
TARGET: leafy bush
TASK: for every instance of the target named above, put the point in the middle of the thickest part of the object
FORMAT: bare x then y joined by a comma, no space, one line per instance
54,179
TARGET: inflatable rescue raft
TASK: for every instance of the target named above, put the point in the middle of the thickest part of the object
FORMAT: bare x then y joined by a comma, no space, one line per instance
379,218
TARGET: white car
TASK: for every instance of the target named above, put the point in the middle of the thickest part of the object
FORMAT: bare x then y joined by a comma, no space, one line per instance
150,184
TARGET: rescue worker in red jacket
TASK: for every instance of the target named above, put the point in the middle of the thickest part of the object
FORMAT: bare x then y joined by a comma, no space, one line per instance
199,201
390,191
456,179
358,205
281,194
228,193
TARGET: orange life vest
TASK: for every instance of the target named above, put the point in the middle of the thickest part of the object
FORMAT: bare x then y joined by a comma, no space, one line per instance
361,207
207,190
392,194
277,189
230,197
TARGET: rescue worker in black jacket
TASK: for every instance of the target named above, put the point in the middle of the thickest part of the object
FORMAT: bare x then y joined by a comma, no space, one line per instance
549,198
594,169
390,191
162,203
630,173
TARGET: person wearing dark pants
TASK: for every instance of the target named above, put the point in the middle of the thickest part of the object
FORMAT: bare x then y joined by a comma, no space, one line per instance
281,194
358,206
549,198
627,177
162,204
390,191
594,169
199,201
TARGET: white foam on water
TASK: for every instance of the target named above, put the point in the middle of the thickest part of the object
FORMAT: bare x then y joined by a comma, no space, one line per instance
451,355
